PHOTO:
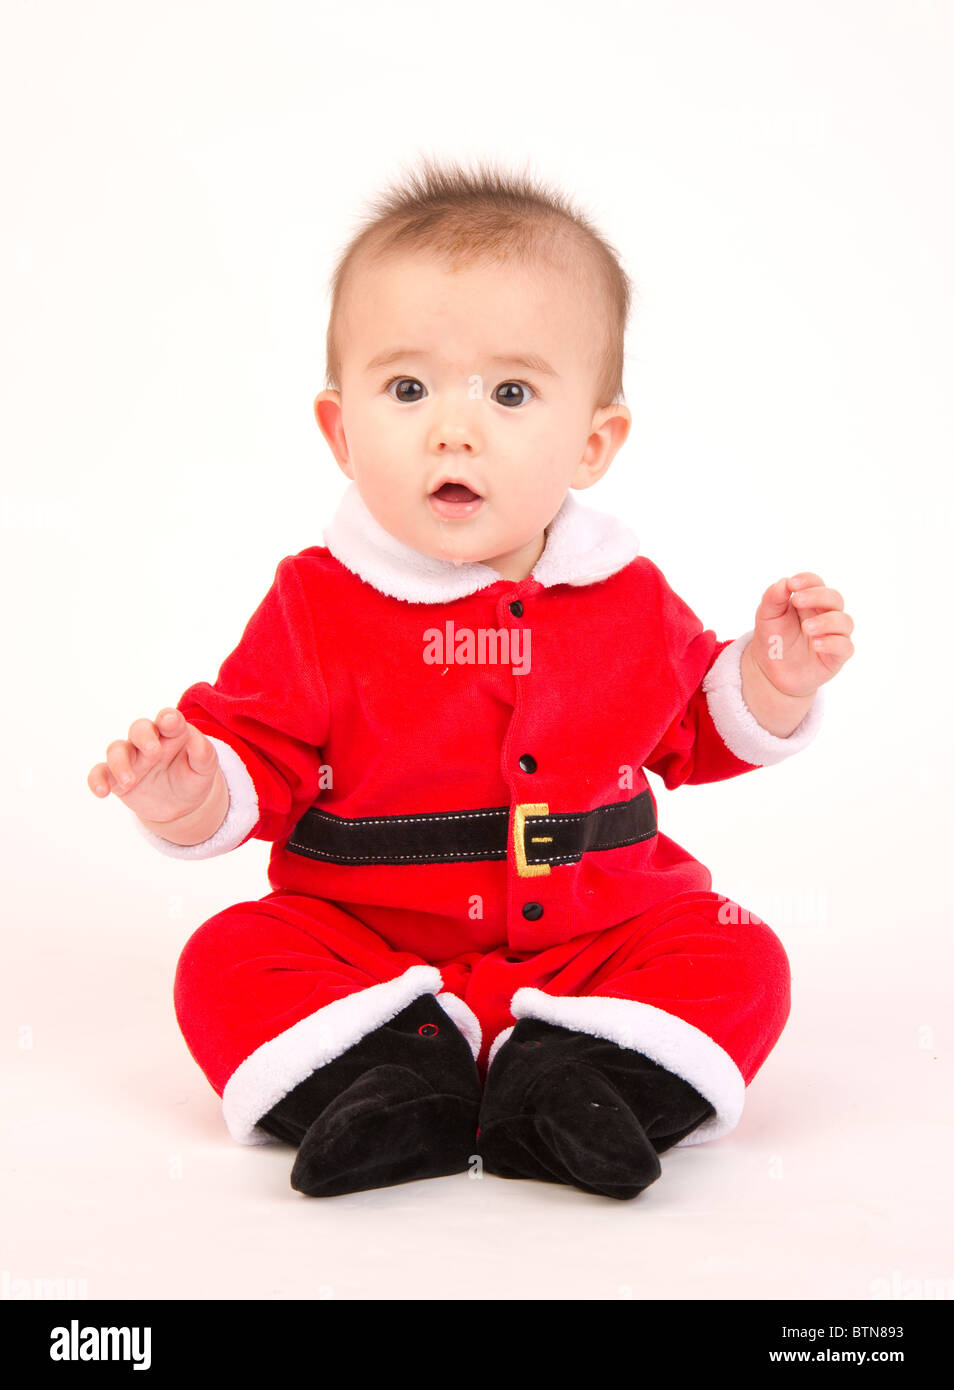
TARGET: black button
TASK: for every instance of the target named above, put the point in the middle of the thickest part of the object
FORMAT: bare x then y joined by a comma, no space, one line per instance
527,763
532,911
516,608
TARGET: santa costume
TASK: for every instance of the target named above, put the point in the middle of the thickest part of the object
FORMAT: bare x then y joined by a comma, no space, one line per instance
475,923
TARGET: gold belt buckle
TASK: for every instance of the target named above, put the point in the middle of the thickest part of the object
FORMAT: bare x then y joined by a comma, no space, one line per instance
520,813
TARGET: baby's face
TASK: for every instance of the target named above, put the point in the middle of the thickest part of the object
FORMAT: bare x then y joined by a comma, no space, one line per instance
433,389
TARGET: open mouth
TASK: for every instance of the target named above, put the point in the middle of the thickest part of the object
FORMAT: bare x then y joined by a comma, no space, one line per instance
455,500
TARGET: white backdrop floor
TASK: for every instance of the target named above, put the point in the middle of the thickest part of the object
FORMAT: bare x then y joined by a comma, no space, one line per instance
121,1181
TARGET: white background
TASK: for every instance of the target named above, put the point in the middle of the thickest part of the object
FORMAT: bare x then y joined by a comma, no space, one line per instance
176,181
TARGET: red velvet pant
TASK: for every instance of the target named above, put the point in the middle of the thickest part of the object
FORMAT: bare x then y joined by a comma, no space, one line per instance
697,983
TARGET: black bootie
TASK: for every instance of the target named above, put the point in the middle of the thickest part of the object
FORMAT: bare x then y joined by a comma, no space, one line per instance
566,1107
399,1105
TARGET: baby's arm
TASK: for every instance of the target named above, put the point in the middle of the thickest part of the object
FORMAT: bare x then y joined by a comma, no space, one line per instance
241,757
714,734
168,774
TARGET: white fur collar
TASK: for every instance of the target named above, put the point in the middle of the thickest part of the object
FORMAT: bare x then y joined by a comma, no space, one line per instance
583,546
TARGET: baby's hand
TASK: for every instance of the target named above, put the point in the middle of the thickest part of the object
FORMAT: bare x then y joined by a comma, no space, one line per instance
802,641
163,771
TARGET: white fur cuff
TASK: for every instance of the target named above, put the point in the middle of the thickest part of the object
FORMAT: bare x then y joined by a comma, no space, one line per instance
463,1016
242,813
278,1066
678,1046
741,732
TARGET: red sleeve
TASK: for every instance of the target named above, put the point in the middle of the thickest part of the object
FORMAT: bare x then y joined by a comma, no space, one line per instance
691,749
270,704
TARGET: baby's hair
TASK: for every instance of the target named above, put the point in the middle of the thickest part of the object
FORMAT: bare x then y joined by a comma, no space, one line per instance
467,216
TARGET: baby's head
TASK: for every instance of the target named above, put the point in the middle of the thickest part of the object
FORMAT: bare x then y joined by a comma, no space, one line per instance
476,335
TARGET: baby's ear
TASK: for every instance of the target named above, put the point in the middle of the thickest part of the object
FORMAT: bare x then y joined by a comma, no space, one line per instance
332,396
328,415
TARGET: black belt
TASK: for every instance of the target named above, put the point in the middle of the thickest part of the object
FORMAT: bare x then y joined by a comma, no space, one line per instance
539,838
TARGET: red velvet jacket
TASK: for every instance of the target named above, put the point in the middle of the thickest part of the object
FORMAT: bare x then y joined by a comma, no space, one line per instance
333,698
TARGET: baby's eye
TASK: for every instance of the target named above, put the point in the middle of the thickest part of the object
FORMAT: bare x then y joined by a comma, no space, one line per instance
404,381
407,391
511,386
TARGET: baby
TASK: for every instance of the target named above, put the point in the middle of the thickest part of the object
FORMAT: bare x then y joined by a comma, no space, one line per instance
479,952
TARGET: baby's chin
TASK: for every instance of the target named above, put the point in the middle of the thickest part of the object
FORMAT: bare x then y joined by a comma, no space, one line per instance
437,541
455,558
456,548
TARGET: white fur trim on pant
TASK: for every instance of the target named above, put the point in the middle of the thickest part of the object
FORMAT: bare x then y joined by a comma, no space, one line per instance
465,1019
280,1064
741,732
242,814
496,1045
678,1046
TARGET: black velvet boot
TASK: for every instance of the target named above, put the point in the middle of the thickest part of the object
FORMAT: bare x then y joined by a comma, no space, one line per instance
399,1105
566,1107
